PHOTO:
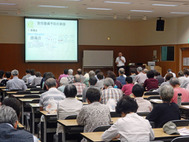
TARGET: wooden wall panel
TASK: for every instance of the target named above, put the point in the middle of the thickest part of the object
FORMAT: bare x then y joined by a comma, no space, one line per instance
12,56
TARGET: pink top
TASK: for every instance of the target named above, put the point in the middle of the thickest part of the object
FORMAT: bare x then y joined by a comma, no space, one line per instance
62,75
184,92
127,89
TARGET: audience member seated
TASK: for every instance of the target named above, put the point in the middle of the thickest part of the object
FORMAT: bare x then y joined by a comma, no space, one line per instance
46,76
92,83
158,77
65,74
100,82
127,88
130,128
181,77
170,71
37,80
122,76
143,105
109,92
25,78
140,77
69,106
151,82
63,83
16,83
174,82
117,84
7,78
133,74
96,72
167,79
8,127
53,94
79,72
95,114
30,79
1,75
166,111
70,76
79,85
186,81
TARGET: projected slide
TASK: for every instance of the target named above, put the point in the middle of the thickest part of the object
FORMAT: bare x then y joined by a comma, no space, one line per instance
51,40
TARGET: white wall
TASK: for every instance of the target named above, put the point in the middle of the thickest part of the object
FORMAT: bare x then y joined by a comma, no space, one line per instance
95,32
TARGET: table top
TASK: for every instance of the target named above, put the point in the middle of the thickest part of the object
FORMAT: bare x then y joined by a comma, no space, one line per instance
158,132
184,106
73,122
34,105
2,87
28,99
45,113
23,95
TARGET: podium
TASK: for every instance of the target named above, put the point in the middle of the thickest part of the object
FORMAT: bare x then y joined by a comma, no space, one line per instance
157,68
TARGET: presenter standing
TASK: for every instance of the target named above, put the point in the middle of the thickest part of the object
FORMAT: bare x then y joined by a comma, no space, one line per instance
120,61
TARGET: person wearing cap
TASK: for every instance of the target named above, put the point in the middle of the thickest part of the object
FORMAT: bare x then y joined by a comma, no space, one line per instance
16,83
140,77
165,111
131,127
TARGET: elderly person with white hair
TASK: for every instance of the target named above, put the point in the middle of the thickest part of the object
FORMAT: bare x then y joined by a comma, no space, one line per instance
16,83
63,83
166,111
70,76
140,77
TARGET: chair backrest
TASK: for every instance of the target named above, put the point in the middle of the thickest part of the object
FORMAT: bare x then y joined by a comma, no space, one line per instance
153,97
181,122
71,117
151,93
152,124
143,113
101,128
35,101
181,139
115,114
185,103
31,96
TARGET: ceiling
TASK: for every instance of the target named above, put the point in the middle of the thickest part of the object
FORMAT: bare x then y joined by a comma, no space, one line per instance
77,9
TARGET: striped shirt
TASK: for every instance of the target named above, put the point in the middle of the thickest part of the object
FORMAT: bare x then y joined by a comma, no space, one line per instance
80,87
111,93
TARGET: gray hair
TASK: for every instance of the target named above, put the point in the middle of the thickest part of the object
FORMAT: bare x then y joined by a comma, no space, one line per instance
14,72
139,69
77,78
70,72
145,70
121,70
51,82
91,73
166,93
8,115
64,81
108,82
174,81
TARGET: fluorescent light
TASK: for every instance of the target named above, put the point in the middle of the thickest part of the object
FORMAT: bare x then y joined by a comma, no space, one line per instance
73,0
52,6
92,8
7,3
179,12
171,5
117,2
141,11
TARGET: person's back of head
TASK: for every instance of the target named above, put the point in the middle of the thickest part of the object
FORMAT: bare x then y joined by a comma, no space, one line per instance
111,74
70,72
27,71
1,74
180,73
169,70
126,105
93,95
133,72
51,82
97,71
64,81
139,69
108,82
38,74
32,72
150,74
8,74
168,76
129,79
14,72
79,71
186,72
65,71
13,103
8,115
138,90
100,75
48,75
92,80
145,71
166,93
174,82
77,78
70,91
121,71
91,73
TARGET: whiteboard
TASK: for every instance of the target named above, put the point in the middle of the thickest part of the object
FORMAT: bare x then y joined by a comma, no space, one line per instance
98,58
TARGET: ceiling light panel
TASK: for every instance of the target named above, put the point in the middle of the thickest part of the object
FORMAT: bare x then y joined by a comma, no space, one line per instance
179,13
141,11
7,3
166,5
117,2
52,6
93,8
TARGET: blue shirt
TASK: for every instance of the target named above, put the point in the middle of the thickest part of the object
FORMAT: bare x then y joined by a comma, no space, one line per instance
121,78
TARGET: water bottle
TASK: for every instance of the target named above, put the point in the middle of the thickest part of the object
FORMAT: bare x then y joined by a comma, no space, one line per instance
179,99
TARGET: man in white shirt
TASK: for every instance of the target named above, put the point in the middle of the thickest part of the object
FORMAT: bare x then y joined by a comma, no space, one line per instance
120,61
140,77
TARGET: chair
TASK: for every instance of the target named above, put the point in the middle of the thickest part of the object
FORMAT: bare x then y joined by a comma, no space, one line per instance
153,97
31,96
152,124
181,139
101,128
71,117
181,122
185,103
143,113
151,93
115,114
35,101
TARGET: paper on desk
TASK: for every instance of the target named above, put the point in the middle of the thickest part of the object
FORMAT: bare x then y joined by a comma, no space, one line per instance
155,100
183,131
